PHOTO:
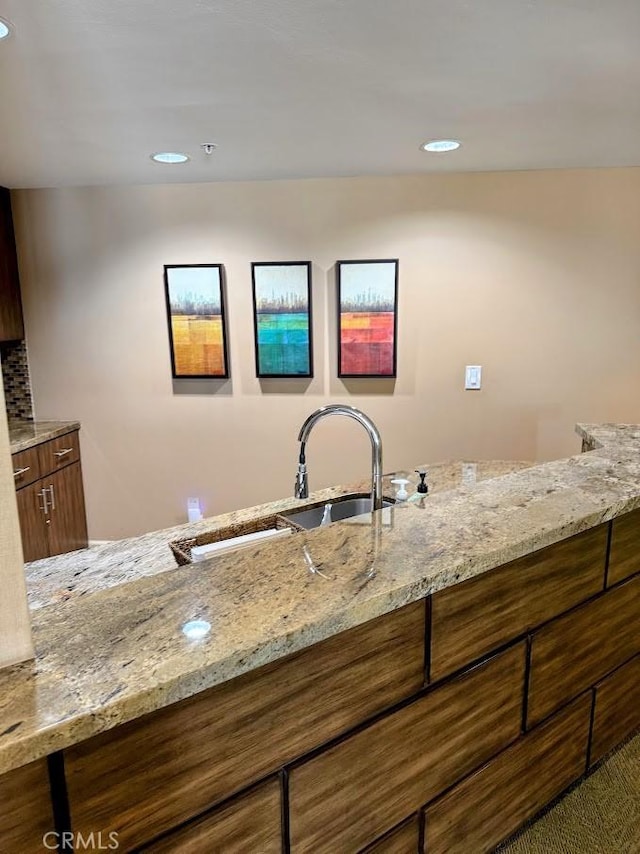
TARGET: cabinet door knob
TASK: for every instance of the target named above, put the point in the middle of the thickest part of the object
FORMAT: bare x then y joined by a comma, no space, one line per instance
20,472
62,453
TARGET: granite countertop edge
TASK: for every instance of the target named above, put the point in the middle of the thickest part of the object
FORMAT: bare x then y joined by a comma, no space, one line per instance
96,667
27,434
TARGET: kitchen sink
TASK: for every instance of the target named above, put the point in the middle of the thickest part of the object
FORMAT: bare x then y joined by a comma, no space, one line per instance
340,508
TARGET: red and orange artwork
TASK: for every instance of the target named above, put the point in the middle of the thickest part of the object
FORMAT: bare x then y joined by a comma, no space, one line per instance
367,312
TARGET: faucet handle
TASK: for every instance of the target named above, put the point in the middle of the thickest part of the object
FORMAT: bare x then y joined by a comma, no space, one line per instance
301,488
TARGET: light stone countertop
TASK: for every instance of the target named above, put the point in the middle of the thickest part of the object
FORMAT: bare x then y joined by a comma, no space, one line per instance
26,434
74,574
118,653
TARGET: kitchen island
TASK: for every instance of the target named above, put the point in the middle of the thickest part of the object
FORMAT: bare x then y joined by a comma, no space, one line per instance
437,673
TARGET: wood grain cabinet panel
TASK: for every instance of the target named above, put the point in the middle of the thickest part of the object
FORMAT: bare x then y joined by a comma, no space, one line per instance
33,528
624,557
51,509
67,516
477,616
494,802
577,650
251,824
11,323
617,709
403,840
26,467
58,453
348,796
147,776
25,809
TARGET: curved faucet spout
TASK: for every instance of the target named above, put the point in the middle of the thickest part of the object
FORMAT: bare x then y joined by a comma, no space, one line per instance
301,488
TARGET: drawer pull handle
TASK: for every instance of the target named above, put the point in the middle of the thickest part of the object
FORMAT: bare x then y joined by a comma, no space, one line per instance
62,453
44,506
20,472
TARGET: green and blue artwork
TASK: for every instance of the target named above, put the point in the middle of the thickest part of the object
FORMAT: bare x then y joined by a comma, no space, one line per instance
282,319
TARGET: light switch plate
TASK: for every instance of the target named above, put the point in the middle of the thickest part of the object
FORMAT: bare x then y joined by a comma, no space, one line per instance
473,377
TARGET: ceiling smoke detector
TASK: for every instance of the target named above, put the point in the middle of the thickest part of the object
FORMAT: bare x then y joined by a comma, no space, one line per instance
208,147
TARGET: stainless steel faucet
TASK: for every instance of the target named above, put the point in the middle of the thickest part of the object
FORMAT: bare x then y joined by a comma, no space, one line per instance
302,484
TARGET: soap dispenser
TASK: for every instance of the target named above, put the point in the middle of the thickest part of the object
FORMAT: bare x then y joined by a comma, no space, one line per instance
422,486
401,482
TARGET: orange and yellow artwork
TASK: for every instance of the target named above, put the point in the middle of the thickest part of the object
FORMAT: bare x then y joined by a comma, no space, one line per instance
195,305
198,345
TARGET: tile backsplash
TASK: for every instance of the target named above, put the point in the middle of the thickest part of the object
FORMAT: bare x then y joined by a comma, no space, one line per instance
16,381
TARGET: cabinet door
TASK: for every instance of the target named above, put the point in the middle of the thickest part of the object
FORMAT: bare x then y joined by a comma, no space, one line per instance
33,522
68,528
11,326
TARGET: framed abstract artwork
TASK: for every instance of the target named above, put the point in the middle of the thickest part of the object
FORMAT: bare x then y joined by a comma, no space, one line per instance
367,318
196,315
282,318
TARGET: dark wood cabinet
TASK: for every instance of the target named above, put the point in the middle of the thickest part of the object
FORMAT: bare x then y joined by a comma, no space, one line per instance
473,618
492,803
51,509
196,753
11,324
577,650
35,542
402,840
252,822
624,557
355,791
66,523
26,816
617,709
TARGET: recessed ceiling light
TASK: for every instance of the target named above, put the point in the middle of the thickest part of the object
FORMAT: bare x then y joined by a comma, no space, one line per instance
169,157
5,29
440,145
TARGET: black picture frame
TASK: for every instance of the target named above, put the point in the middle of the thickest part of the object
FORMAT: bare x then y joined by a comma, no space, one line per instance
200,323
376,301
287,355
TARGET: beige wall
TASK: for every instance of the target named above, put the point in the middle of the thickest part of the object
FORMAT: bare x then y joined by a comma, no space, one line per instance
534,275
15,626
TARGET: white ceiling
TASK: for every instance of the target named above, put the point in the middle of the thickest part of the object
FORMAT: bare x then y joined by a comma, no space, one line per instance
305,88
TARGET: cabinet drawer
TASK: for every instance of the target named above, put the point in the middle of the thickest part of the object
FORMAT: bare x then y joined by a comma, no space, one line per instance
149,775
252,822
58,453
617,710
351,794
25,812
579,649
491,804
477,616
26,467
624,557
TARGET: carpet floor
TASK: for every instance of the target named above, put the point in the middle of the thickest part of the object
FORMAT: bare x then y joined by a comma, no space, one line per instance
601,815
